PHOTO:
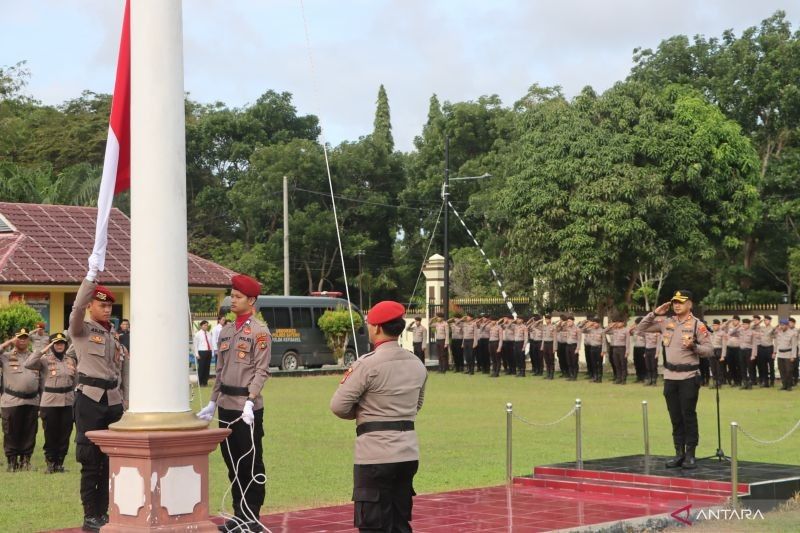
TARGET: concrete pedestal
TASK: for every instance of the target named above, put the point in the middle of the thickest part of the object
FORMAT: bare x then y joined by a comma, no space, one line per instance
158,479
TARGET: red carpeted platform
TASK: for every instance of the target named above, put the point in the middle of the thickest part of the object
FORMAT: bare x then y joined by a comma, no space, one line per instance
563,497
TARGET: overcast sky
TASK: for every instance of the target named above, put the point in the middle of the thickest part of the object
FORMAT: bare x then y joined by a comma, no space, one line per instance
459,49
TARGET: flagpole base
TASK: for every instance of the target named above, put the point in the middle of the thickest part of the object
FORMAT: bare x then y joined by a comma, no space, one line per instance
181,421
158,480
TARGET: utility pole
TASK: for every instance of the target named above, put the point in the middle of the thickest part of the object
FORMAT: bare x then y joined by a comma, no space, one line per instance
446,295
285,236
359,254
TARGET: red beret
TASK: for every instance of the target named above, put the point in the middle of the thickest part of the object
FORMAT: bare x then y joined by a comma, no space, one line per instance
246,285
102,294
384,312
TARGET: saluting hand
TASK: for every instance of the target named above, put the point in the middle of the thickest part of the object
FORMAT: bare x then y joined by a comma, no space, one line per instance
6,344
662,309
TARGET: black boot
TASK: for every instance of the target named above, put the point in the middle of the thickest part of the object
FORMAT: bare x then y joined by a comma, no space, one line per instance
51,466
25,463
13,464
690,463
92,523
680,455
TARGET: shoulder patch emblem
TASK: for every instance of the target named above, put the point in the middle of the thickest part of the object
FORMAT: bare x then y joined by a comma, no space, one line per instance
241,355
224,346
346,375
243,346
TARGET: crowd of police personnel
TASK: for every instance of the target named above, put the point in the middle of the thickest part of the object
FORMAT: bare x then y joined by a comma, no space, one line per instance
746,351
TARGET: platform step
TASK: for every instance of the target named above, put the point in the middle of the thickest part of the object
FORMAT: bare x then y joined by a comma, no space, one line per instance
656,482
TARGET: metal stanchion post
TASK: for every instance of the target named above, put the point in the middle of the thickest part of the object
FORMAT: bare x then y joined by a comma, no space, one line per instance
509,414
578,435
734,467
646,428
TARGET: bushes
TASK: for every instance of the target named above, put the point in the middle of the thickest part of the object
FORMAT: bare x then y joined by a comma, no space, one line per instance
335,324
16,316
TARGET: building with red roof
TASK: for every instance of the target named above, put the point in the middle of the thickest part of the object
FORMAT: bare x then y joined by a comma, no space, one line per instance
44,251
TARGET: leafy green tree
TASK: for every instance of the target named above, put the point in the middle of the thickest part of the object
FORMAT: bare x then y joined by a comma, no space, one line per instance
16,316
382,126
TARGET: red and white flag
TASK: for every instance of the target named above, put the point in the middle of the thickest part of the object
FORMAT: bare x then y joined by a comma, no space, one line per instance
117,162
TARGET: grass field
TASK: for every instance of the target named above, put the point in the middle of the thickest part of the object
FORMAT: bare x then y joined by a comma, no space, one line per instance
308,451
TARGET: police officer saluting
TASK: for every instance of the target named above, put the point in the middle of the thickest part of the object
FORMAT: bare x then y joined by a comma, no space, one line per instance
19,402
383,391
59,371
243,357
682,379
99,396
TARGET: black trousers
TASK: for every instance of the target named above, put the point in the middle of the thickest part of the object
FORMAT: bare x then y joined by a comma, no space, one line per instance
651,363
561,352
418,352
763,359
383,496
571,357
638,363
57,424
594,359
732,364
717,369
90,416
681,396
547,354
589,369
745,366
458,353
469,355
19,429
620,363
536,356
443,356
483,356
244,450
203,366
519,357
495,356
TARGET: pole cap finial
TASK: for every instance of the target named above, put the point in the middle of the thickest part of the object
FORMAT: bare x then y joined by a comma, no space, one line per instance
577,401
644,402
508,407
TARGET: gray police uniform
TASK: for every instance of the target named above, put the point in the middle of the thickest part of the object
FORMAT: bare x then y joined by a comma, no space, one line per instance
383,391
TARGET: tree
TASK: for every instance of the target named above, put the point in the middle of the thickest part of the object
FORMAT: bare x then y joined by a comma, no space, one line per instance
382,125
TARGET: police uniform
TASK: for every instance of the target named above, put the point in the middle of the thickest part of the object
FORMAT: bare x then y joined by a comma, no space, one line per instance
681,375
638,344
535,343
730,354
383,391
595,341
745,353
561,346
619,351
19,405
765,353
652,342
457,344
243,356
418,332
495,346
468,332
442,332
98,399
483,357
39,338
548,337
59,372
786,352
572,337
717,341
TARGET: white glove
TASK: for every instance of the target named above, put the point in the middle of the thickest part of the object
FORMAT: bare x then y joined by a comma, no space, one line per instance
94,267
247,413
207,412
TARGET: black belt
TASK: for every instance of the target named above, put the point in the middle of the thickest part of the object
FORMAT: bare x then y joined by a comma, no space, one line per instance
369,427
681,368
229,390
97,382
60,390
23,395
784,351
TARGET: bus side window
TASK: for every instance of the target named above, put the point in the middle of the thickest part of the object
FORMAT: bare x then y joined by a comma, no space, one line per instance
301,317
268,314
282,318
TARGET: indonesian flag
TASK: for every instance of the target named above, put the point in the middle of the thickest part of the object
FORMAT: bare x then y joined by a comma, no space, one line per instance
117,162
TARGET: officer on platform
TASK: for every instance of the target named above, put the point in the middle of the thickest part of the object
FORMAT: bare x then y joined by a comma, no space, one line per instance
19,402
60,373
682,379
100,391
243,357
383,391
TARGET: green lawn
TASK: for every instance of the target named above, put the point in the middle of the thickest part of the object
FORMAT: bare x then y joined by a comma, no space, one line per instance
308,451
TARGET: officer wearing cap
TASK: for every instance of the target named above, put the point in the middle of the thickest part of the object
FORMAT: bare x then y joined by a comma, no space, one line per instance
685,340
19,402
419,333
786,351
38,337
383,391
60,372
100,390
243,355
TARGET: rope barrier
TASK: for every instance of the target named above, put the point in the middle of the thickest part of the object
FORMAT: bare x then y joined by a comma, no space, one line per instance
768,442
546,424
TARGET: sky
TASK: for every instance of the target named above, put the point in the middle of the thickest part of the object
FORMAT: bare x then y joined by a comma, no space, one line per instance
235,50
